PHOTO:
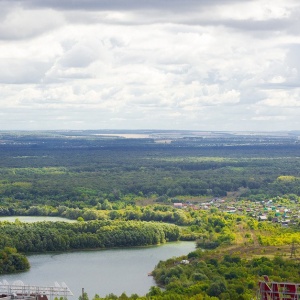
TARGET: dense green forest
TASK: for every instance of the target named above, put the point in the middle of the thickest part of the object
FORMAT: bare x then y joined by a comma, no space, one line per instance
83,172
11,261
62,236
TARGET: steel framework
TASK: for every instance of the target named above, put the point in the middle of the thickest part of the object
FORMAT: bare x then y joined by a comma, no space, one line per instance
278,291
19,288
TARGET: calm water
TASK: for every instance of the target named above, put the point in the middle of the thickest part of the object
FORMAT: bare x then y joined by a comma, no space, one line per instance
102,271
28,219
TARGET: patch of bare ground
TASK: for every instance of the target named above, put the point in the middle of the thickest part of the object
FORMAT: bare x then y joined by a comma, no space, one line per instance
145,201
253,249
249,247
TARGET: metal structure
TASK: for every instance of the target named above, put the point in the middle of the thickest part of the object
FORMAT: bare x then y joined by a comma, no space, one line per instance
293,250
18,288
278,290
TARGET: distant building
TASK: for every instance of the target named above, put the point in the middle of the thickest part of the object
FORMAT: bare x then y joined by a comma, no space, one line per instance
185,262
262,218
285,222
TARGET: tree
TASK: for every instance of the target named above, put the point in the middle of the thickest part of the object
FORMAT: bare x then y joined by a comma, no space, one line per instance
84,296
154,291
216,288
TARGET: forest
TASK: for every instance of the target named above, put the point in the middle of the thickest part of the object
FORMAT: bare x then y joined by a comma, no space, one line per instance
62,236
121,193
83,172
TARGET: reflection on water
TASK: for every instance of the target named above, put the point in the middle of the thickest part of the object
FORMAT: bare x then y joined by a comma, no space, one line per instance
102,271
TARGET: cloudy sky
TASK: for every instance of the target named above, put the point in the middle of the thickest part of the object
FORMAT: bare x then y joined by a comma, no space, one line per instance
150,64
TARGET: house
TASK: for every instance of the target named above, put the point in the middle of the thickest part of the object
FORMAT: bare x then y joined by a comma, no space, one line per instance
285,223
185,262
262,218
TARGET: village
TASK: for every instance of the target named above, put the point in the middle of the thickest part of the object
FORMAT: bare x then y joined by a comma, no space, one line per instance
277,210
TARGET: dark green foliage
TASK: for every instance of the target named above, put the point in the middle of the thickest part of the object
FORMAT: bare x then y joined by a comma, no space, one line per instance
84,296
216,288
11,261
60,236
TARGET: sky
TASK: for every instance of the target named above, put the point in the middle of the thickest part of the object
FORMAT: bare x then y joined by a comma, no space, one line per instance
212,65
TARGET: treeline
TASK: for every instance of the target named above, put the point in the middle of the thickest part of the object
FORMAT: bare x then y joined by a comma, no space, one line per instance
209,228
212,228
11,261
113,211
61,236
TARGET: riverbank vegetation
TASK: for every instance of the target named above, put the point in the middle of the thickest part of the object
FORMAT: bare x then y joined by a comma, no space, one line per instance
229,268
11,261
62,236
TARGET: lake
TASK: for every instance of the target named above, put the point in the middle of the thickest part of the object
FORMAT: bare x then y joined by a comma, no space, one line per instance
100,271
30,219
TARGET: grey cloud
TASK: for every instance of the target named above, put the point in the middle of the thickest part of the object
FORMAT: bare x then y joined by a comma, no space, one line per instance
170,5
280,86
257,27
148,12
78,57
295,17
4,8
253,25
23,24
292,57
288,69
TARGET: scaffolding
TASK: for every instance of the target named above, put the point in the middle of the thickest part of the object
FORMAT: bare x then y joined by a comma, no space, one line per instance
278,291
19,290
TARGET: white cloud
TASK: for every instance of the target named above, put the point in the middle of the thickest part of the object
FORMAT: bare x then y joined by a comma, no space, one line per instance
22,24
259,10
282,98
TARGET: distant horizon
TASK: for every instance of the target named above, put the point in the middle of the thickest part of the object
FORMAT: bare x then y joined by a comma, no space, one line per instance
149,130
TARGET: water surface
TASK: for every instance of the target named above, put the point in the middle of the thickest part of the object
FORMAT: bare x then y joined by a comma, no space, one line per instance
31,219
101,271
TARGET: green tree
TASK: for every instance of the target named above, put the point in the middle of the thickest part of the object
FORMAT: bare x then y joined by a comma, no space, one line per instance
84,296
